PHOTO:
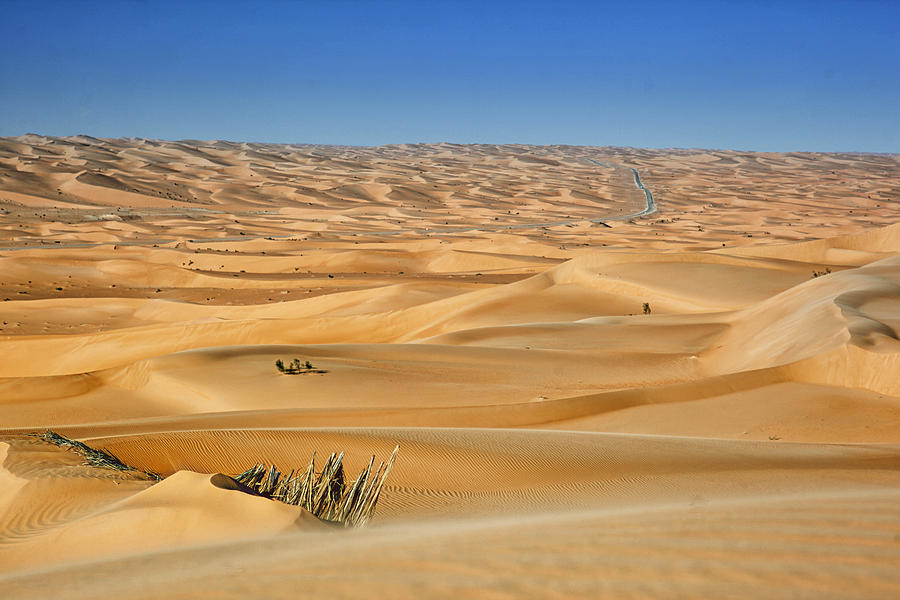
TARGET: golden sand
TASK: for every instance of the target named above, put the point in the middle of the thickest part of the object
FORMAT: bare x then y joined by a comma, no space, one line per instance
482,307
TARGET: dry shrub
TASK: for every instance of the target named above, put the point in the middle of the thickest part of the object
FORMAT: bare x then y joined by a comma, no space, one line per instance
325,493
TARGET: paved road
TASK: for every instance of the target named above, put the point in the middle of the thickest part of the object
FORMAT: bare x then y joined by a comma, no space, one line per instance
650,208
651,204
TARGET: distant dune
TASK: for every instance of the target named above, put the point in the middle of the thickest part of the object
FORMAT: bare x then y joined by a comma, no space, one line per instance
699,402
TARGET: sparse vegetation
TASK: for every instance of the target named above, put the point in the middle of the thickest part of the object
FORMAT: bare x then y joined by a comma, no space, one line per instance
295,367
821,273
93,457
326,494
646,308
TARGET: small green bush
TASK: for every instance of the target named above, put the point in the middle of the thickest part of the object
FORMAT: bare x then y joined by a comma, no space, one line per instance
294,367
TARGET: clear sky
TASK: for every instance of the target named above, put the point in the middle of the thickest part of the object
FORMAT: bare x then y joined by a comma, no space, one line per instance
757,75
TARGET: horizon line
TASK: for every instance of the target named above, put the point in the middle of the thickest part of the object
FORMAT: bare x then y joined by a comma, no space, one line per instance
446,142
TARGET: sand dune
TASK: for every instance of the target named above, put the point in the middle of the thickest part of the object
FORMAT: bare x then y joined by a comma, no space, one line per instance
484,308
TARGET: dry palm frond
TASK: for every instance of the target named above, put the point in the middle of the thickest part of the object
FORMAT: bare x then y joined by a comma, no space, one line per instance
96,458
324,493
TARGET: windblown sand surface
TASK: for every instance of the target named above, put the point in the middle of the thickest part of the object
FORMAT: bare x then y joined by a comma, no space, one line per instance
482,307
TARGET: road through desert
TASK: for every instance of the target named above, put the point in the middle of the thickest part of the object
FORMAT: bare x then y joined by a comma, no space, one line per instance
591,398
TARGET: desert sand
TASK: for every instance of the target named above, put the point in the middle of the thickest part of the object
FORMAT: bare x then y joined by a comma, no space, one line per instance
484,308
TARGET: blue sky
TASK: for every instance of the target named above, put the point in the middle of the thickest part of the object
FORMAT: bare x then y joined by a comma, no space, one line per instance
773,76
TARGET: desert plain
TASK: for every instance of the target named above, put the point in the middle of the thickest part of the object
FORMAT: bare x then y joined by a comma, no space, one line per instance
611,372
